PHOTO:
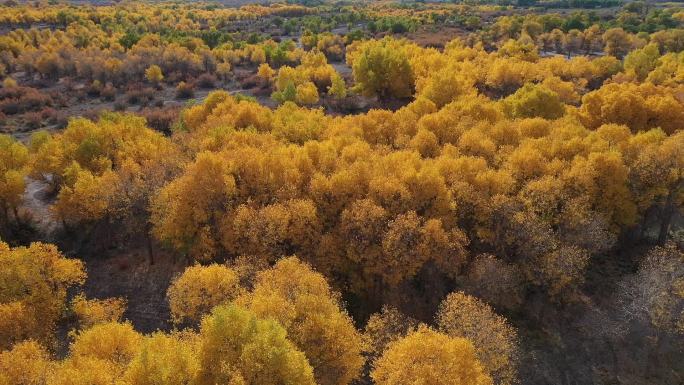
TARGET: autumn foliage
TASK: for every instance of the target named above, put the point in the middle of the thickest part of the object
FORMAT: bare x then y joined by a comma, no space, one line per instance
526,174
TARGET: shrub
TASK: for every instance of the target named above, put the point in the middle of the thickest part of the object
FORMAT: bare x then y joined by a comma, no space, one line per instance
33,120
206,81
47,113
175,77
185,90
108,92
16,100
9,83
52,116
95,88
91,312
161,119
249,82
142,95
306,94
154,74
223,70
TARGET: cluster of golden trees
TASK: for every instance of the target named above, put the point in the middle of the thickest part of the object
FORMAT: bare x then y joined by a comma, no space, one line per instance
248,324
154,18
374,199
117,44
506,173
88,53
302,83
442,76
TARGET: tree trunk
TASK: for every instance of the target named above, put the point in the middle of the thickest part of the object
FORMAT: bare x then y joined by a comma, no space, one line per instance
15,212
665,220
150,250
666,217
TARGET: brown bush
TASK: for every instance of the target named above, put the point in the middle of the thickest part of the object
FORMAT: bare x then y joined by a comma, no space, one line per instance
161,119
47,113
139,95
33,120
18,100
52,116
175,77
249,82
108,92
206,81
185,90
59,99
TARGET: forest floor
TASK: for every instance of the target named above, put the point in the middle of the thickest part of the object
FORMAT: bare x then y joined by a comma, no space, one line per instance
124,272
130,275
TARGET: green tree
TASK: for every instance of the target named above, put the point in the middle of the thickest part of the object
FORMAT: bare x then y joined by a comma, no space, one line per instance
642,61
382,69
236,347
533,100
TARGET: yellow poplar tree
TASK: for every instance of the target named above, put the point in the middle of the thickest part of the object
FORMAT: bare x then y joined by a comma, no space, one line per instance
430,358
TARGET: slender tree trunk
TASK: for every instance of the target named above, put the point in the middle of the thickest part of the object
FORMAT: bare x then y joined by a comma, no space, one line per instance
4,222
665,220
150,249
15,212
666,215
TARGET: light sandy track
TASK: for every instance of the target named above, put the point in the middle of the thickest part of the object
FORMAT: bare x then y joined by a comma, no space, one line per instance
37,202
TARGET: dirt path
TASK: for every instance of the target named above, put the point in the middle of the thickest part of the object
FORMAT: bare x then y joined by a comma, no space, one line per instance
37,201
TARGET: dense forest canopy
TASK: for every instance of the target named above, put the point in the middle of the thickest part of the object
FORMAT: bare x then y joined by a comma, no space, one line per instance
334,193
